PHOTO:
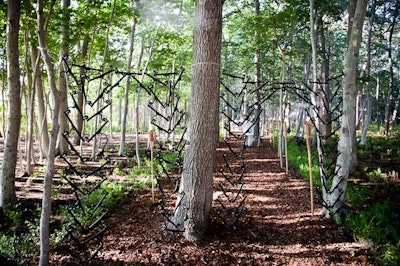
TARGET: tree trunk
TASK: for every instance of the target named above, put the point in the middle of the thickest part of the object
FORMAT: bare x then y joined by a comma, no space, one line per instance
347,142
257,77
62,144
50,170
392,79
390,97
7,178
42,114
196,190
128,85
30,108
79,118
368,73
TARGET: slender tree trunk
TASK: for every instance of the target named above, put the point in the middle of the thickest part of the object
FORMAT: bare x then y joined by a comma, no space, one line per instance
7,178
100,88
392,79
390,97
42,114
347,142
137,103
79,118
30,106
257,77
3,89
195,193
62,144
128,85
50,170
326,126
368,114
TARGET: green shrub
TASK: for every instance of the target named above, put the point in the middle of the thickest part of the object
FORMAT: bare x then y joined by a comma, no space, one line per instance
390,254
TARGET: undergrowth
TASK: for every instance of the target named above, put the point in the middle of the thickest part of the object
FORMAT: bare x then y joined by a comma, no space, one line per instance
373,214
19,225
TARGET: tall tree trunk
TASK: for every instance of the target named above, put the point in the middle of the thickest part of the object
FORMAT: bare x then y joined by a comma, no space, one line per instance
50,170
281,141
62,144
7,178
100,88
326,126
42,114
347,142
368,73
30,107
79,118
390,97
196,190
392,79
3,89
128,84
257,77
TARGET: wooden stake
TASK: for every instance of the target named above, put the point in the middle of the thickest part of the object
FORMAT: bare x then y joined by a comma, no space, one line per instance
308,141
286,155
151,140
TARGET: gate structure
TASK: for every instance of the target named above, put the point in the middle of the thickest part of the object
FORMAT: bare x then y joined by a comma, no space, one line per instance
87,211
241,100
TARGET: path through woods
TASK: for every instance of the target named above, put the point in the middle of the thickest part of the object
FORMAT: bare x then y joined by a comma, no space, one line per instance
276,229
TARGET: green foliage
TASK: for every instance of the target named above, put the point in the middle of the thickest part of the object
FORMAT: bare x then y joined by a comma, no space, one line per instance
298,157
356,195
390,254
19,243
373,219
377,224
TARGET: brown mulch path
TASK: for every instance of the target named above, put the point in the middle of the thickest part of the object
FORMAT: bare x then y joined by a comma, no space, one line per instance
276,228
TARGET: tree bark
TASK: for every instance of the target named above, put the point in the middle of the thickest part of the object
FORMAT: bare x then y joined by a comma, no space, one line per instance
7,178
50,170
196,190
79,118
347,141
368,73
30,109
128,84
42,115
62,144
257,77
392,79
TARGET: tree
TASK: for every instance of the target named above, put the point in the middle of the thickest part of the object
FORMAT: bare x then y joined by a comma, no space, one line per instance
62,144
347,141
7,178
368,112
196,190
128,81
50,170
257,76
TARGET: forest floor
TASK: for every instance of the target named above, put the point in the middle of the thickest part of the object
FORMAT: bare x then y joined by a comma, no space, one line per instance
277,227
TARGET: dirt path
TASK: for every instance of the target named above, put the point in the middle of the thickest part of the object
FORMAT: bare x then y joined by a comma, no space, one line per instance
276,228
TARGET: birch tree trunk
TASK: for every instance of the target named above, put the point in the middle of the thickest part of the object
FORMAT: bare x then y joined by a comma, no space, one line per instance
62,144
30,108
42,114
257,77
50,170
368,73
196,190
346,147
7,178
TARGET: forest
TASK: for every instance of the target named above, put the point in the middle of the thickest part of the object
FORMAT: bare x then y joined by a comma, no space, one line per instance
199,132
